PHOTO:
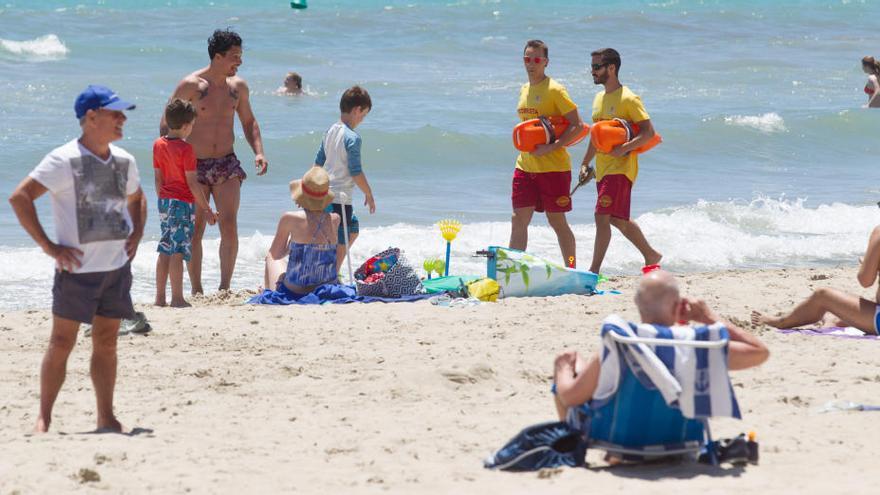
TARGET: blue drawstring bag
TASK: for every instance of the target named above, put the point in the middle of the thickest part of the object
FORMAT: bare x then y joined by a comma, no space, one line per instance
545,445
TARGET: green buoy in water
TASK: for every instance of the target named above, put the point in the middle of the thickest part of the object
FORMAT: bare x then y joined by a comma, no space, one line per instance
299,4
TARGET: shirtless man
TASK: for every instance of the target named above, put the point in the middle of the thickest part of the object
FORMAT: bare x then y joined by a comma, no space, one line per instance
218,94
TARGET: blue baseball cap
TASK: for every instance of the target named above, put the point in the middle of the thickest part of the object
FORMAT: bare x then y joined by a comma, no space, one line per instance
95,97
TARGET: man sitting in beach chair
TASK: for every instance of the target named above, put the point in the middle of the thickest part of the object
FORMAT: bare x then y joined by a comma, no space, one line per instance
642,397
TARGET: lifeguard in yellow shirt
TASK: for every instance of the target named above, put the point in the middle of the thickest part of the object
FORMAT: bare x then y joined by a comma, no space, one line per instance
542,178
616,171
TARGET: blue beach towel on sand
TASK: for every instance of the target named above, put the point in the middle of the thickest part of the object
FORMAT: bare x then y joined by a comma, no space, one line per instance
325,294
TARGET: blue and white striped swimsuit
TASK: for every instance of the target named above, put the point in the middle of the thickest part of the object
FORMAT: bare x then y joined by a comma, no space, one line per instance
310,265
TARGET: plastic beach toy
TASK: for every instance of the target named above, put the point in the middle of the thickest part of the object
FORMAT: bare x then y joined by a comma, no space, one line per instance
448,229
434,265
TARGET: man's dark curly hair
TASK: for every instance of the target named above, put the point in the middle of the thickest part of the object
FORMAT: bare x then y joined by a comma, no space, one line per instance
221,41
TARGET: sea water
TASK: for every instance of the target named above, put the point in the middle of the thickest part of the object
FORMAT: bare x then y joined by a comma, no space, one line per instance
768,159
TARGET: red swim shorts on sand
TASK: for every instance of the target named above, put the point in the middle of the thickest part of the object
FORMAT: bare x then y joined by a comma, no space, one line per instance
613,196
546,191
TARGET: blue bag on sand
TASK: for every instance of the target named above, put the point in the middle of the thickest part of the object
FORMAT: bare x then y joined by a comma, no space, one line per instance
544,445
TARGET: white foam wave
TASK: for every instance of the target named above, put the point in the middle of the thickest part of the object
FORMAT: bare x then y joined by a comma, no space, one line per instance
767,122
706,236
47,47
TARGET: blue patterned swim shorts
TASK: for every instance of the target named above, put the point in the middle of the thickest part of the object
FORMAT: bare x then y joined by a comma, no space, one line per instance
178,220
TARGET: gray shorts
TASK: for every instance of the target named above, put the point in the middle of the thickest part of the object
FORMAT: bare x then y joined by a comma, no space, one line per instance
81,296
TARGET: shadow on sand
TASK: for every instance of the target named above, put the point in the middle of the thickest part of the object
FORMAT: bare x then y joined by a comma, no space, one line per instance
134,432
671,470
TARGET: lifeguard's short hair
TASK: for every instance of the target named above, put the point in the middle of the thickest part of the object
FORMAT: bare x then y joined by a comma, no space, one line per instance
537,44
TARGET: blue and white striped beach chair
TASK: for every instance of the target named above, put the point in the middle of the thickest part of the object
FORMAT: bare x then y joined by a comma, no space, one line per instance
657,388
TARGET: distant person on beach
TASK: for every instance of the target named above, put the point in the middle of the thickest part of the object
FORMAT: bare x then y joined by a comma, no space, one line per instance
174,169
218,94
340,155
616,172
871,67
293,85
303,252
542,178
659,303
99,212
849,310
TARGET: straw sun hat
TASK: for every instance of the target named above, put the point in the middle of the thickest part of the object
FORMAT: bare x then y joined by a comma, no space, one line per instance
312,192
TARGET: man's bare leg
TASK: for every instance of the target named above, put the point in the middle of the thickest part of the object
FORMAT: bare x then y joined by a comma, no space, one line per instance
105,332
857,311
565,237
519,227
603,239
340,250
226,198
175,270
54,367
162,263
633,232
194,265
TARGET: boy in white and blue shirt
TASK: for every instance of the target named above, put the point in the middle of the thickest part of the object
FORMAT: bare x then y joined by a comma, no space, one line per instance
340,155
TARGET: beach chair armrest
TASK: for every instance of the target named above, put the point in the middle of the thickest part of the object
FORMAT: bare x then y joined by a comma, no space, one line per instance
701,344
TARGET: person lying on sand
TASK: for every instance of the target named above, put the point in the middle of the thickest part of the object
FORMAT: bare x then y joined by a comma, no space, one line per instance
850,310
659,303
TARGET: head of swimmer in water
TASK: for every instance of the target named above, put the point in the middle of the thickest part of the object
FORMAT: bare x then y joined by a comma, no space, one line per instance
224,48
870,65
604,65
535,59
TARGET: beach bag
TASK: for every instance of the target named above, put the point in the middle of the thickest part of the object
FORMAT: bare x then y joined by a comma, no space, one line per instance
400,279
544,445
484,289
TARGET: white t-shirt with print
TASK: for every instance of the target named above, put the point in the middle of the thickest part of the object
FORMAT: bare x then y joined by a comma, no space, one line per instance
89,202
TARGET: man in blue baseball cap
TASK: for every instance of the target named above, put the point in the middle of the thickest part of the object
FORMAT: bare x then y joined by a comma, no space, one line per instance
96,97
99,211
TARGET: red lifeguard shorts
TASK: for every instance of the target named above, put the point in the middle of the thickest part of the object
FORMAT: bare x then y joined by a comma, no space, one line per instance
613,196
545,191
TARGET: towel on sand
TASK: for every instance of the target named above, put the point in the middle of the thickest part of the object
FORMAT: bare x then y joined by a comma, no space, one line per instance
325,294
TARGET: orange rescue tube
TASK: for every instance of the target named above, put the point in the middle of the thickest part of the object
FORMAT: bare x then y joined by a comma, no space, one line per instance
608,134
527,135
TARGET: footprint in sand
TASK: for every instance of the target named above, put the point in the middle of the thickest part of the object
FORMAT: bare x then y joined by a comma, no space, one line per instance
458,377
475,374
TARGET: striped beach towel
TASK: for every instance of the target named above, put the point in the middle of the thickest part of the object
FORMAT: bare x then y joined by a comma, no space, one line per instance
692,380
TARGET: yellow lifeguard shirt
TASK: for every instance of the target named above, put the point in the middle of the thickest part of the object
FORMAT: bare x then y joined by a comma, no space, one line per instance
545,99
620,104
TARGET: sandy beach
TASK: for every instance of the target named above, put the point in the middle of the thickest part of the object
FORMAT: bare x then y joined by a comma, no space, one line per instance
409,398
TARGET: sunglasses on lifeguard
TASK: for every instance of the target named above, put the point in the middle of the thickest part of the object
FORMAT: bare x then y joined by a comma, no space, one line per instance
598,66
536,60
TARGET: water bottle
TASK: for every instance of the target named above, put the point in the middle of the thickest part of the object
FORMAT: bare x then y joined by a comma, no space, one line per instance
752,445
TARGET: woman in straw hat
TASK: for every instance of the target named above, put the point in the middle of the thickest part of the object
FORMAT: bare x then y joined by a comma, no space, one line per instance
303,253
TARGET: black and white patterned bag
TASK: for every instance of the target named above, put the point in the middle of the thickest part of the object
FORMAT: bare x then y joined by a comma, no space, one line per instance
400,280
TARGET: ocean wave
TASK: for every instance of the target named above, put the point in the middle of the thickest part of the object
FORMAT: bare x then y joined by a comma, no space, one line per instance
44,48
705,236
767,122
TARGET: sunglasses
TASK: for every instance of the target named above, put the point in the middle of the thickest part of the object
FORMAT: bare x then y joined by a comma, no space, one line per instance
598,66
536,60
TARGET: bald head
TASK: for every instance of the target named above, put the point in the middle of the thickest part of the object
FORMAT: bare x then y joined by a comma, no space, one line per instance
657,298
